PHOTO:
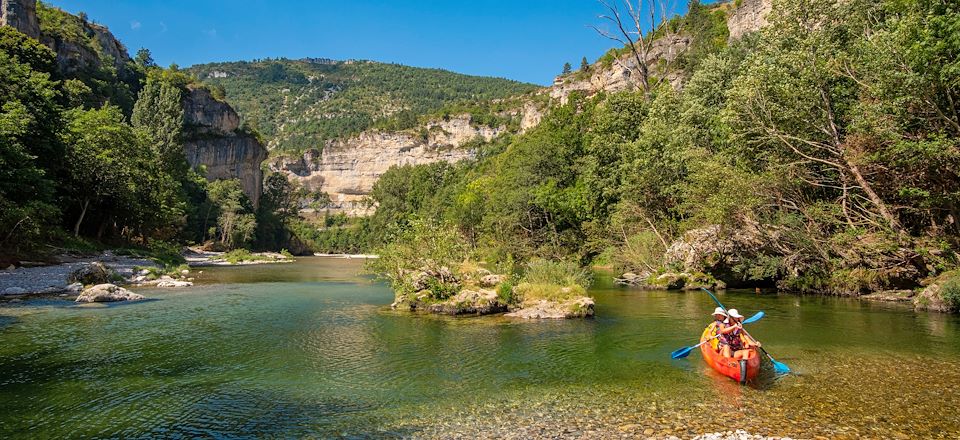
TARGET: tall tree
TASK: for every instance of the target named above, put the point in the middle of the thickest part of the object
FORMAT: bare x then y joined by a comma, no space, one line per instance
566,69
159,114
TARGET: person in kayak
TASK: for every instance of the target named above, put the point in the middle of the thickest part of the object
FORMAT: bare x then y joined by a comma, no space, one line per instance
732,340
719,319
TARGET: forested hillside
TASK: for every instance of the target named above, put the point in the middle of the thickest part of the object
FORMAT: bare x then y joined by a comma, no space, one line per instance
820,154
92,151
299,104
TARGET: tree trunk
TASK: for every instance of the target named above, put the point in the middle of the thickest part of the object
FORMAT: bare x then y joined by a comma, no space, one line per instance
877,201
83,213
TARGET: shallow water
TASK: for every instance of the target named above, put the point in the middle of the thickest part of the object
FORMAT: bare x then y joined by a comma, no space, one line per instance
311,349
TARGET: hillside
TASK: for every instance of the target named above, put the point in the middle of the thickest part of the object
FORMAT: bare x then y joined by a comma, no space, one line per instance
755,163
299,104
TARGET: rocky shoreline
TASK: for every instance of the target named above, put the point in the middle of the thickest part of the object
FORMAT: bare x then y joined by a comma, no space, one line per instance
927,298
105,273
201,258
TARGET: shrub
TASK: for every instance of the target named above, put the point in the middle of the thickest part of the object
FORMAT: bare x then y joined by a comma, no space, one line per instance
424,246
560,273
239,255
951,293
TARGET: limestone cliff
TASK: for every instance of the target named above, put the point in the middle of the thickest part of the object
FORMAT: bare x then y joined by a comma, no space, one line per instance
748,16
20,15
216,142
616,76
347,169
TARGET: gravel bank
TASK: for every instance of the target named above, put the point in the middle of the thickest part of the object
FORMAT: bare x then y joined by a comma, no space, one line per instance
53,279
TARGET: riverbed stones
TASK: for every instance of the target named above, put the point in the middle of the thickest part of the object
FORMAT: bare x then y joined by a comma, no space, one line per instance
15,290
107,293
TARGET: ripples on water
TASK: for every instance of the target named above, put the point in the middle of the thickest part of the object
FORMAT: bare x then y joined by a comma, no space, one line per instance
311,349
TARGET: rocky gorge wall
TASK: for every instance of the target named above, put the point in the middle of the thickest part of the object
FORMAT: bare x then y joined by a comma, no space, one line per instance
748,16
347,169
215,141
20,15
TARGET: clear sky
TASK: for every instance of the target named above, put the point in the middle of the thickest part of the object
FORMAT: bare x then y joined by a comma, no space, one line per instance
526,40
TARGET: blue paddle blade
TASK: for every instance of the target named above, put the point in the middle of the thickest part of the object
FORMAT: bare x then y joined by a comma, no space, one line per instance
755,318
681,353
780,367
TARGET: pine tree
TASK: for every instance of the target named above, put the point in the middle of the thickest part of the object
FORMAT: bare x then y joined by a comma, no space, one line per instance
567,68
584,65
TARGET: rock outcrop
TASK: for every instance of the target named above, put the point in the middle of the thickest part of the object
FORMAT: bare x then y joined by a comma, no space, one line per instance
749,16
216,142
20,15
617,76
107,293
935,297
574,308
94,273
347,169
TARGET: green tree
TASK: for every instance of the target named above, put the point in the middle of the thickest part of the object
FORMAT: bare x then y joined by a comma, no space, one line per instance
158,113
31,154
236,222
144,58
566,69
584,64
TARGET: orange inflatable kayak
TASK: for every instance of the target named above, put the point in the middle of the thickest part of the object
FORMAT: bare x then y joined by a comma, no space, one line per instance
740,370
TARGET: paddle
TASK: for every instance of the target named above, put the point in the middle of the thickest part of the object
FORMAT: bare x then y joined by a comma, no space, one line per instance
685,351
778,367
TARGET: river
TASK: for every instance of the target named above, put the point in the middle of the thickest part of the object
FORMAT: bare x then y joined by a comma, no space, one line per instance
311,349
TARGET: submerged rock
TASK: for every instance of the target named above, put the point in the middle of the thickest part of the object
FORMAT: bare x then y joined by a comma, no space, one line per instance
543,309
107,293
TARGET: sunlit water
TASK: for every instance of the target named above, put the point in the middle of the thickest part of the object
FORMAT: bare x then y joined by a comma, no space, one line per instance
311,349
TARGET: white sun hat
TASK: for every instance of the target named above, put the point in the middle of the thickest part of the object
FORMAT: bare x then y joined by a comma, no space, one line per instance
719,311
734,313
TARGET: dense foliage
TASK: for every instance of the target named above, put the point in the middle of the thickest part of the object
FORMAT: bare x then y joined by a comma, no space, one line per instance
298,104
826,147
81,159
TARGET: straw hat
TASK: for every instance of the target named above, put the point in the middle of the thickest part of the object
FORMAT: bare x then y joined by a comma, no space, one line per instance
734,314
719,311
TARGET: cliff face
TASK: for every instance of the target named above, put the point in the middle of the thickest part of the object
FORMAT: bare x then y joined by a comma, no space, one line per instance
215,142
20,15
750,16
347,169
617,76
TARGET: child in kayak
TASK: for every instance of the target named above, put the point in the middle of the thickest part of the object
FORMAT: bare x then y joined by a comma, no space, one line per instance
719,317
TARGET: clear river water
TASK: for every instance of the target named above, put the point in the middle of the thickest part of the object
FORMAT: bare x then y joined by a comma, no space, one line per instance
312,350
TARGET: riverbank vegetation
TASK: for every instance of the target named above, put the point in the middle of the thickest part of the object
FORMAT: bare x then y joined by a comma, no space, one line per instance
820,154
92,156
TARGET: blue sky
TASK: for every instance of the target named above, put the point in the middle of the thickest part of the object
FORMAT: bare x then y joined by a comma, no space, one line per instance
526,40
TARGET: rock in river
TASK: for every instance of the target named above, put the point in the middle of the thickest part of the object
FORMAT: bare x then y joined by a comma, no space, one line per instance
93,273
107,293
174,283
543,309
